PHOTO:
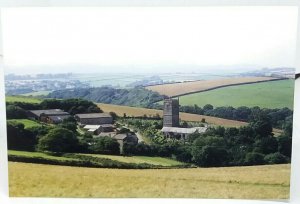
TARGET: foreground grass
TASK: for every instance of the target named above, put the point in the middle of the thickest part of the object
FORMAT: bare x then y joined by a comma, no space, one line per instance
27,123
274,94
257,182
22,99
140,159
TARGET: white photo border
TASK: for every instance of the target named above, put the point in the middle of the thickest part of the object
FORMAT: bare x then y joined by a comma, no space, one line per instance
295,165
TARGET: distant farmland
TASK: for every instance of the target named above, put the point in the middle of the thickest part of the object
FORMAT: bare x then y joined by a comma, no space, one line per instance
255,182
272,94
140,112
180,89
25,99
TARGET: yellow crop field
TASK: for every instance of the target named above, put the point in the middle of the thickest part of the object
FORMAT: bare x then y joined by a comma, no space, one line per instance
179,89
256,182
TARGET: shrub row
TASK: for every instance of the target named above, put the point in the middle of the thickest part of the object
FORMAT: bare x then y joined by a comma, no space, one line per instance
86,161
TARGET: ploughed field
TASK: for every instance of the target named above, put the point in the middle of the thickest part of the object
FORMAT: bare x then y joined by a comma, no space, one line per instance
271,94
184,88
256,182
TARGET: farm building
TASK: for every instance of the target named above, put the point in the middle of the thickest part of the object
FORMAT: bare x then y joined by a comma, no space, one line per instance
97,129
94,118
53,116
126,138
181,133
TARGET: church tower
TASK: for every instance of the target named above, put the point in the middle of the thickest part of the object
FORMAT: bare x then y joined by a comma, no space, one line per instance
171,113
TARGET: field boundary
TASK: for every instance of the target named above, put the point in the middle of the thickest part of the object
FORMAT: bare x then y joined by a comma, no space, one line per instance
89,162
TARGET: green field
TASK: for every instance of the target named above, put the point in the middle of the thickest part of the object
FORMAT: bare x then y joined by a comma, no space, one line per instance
275,94
140,159
22,99
38,155
158,161
255,182
27,123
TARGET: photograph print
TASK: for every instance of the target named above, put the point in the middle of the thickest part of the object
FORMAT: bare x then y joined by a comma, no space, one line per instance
149,102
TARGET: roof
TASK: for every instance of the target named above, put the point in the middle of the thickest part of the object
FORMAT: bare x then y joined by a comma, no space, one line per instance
58,118
49,112
106,125
93,115
91,127
184,130
120,136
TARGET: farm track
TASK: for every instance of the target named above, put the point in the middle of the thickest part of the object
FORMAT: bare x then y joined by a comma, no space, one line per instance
186,88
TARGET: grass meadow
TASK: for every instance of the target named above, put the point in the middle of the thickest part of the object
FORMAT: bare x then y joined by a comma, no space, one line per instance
27,123
26,99
159,161
140,159
273,94
256,182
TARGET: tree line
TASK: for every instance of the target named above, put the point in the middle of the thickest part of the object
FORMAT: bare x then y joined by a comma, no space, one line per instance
278,117
18,110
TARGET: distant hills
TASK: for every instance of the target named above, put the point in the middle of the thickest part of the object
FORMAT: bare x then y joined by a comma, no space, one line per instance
131,97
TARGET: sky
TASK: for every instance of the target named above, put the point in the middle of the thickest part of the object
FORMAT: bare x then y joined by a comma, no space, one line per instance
148,39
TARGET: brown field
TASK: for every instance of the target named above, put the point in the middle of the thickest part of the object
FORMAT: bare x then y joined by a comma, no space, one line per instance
139,112
179,89
256,182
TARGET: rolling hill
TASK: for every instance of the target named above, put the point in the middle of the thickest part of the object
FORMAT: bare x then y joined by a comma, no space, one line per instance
184,88
271,94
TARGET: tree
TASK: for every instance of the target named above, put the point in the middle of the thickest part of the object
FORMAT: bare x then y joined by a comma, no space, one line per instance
113,115
254,158
209,151
261,125
19,138
285,145
276,158
266,145
15,112
105,145
58,140
70,124
209,156
207,107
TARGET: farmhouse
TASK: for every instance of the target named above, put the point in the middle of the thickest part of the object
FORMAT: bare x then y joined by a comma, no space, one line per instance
129,137
94,118
53,116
